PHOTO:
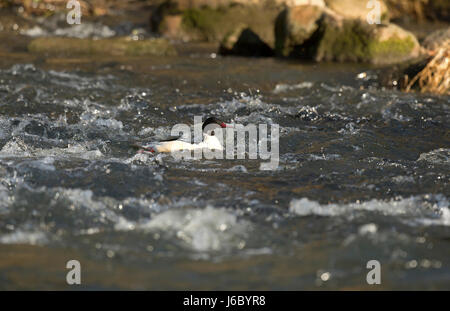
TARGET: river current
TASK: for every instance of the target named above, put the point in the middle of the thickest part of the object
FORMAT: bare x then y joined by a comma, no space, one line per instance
363,175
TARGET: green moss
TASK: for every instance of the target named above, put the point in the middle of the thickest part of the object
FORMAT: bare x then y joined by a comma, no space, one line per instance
205,21
347,43
147,47
355,41
394,47
116,46
214,24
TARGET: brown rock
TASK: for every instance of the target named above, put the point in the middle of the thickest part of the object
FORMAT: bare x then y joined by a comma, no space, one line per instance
170,26
294,26
356,9
436,39
244,41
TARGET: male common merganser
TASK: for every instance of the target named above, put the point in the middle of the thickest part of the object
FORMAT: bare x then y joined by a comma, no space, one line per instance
175,143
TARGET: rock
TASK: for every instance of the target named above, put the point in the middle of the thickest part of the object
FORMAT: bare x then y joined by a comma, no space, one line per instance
245,42
354,40
214,4
157,16
170,26
430,73
195,22
294,26
213,20
392,44
115,46
230,39
436,39
291,3
207,24
357,9
357,41
198,4
418,11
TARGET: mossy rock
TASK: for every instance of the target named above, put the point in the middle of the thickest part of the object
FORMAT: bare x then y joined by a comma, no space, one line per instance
114,46
357,41
392,44
204,23
348,42
213,24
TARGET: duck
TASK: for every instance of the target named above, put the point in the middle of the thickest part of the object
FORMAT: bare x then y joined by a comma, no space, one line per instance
176,143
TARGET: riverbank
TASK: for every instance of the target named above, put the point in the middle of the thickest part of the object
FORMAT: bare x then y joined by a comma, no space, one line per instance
318,31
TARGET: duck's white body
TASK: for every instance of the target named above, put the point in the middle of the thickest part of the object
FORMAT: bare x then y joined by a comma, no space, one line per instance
209,142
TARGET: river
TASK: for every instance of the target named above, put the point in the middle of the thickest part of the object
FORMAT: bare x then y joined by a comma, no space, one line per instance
363,175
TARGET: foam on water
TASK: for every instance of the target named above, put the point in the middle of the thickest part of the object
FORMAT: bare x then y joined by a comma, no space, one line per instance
84,30
44,164
255,109
438,156
16,147
24,237
280,88
5,200
203,230
427,210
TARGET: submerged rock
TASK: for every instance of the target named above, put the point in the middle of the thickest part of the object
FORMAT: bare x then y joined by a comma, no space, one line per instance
116,46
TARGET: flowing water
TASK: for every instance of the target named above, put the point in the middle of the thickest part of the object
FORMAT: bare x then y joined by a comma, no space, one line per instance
363,175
